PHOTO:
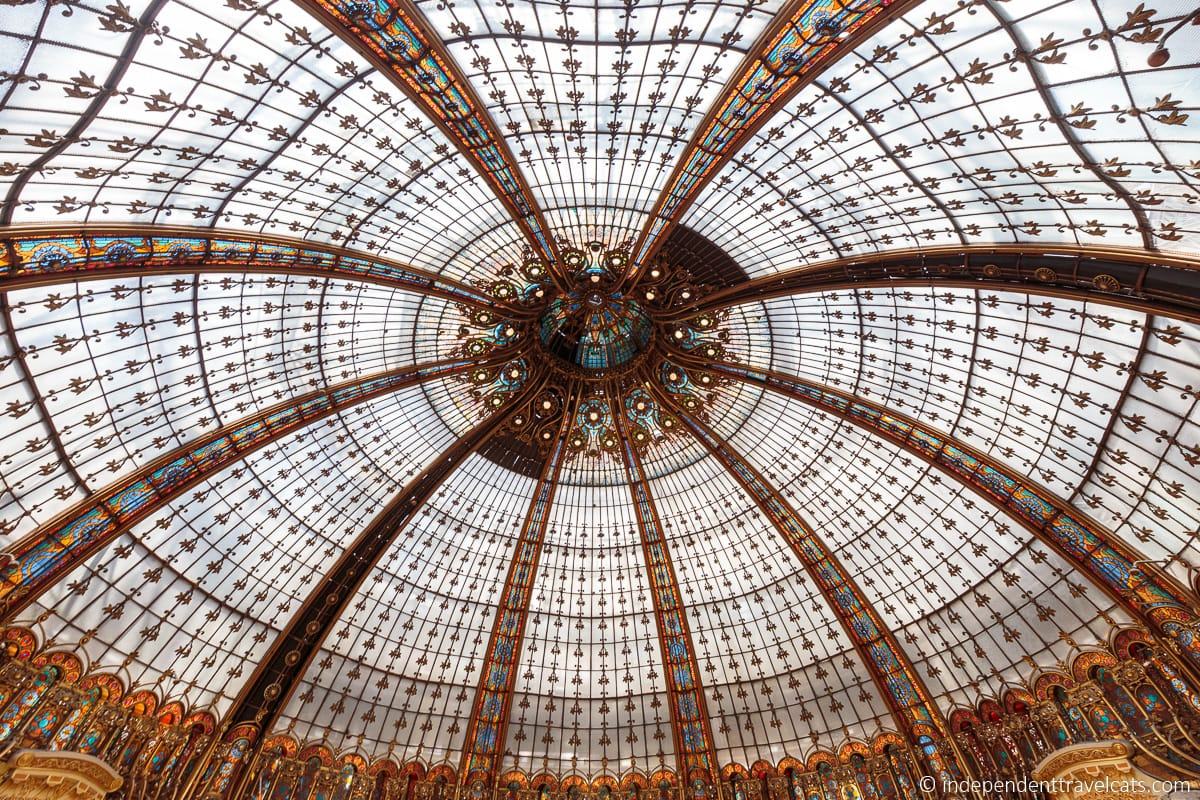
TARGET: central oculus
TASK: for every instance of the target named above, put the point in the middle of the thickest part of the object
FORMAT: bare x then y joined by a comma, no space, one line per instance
595,329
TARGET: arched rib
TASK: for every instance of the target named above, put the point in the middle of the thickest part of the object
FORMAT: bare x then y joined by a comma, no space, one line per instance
264,696
395,37
487,728
42,255
690,722
794,49
42,558
1115,276
1141,588
912,707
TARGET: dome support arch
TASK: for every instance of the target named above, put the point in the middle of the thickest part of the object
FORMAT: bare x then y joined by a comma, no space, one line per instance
690,721
46,555
1149,594
909,701
1114,276
493,699
404,47
46,255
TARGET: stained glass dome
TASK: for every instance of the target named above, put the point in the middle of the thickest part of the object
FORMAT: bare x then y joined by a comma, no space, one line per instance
595,330
407,400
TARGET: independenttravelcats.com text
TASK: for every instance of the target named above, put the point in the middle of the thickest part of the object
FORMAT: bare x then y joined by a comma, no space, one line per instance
1118,787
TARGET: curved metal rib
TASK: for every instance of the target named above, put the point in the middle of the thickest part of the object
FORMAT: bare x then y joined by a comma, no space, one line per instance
43,557
394,36
913,710
1115,276
493,700
41,255
689,714
1144,590
805,36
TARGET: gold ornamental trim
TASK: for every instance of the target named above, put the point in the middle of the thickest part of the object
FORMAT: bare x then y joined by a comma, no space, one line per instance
87,775
1060,762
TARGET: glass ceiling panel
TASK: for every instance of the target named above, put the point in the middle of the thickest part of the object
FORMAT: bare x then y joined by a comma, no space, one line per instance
1143,482
776,663
590,691
1031,381
131,369
249,542
597,101
932,134
402,664
918,542
253,120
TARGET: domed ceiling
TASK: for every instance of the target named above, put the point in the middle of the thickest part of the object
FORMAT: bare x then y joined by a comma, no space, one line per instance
588,388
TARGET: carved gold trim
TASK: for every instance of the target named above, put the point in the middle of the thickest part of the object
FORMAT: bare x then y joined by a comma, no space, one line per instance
47,775
1096,771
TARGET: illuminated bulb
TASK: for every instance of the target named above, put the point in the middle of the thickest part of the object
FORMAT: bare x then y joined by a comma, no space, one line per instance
705,379
545,434
514,373
678,334
674,376
540,293
510,330
654,273
685,294
593,416
496,401
547,405
668,423
650,295
640,405
595,278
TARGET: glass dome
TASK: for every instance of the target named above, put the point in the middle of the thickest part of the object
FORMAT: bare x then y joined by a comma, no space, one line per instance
883,405
595,330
